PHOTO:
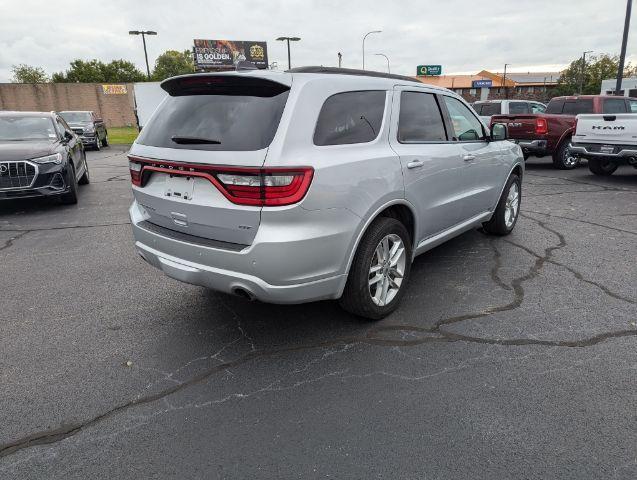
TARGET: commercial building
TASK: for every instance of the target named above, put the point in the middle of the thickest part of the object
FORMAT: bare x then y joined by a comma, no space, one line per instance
487,85
629,87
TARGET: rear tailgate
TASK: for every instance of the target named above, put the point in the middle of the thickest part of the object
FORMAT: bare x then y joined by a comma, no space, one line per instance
521,127
196,165
614,129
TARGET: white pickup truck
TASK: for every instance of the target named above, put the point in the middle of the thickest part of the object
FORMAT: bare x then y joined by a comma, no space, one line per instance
606,141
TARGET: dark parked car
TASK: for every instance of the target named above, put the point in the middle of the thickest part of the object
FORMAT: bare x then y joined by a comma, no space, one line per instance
88,126
40,156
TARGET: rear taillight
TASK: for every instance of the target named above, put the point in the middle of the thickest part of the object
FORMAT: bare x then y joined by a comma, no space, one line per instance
135,172
268,187
541,126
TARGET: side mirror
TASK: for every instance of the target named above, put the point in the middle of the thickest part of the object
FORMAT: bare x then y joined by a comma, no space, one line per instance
68,136
499,132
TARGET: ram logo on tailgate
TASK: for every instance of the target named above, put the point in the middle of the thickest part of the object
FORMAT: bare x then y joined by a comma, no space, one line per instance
608,127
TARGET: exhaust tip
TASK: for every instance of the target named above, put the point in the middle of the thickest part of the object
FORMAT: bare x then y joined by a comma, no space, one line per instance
243,293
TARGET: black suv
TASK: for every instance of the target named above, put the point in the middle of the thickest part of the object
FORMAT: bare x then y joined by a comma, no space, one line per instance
40,156
88,126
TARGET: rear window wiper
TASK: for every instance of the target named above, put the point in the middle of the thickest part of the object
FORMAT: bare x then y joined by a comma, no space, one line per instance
194,140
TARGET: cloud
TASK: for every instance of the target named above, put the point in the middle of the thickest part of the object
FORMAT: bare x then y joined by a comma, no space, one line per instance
461,35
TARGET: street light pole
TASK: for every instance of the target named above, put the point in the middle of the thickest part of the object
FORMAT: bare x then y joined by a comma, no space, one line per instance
622,56
288,40
583,72
386,58
340,59
143,33
504,80
364,37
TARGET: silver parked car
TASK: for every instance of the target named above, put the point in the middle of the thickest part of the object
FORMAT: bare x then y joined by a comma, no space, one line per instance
316,183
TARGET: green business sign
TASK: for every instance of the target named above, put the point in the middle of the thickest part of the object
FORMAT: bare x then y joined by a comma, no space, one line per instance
429,70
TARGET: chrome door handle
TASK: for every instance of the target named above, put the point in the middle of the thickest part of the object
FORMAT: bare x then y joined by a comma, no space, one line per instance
415,164
469,158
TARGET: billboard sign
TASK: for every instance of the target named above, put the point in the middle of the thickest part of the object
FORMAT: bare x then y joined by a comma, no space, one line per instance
227,53
429,70
116,89
481,84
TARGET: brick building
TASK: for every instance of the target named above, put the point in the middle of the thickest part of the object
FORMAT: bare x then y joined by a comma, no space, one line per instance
114,103
525,86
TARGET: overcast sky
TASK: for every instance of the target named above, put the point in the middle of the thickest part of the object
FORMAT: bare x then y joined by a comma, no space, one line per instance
461,35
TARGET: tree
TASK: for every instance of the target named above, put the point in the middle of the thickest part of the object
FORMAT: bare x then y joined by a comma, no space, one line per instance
597,69
96,71
27,74
122,71
171,63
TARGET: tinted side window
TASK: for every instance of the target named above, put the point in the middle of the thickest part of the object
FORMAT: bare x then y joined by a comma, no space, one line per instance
575,107
350,117
465,124
420,119
555,106
614,105
537,108
518,107
489,109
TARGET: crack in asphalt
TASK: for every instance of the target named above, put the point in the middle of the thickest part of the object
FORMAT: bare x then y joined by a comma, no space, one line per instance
583,221
8,243
374,336
579,182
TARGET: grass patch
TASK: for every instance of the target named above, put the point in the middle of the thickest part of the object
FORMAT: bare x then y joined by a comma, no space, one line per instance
122,135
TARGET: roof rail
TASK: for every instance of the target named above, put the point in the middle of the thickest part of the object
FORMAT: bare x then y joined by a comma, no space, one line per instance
351,71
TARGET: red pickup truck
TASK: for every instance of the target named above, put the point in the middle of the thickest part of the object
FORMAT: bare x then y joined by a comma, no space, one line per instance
550,133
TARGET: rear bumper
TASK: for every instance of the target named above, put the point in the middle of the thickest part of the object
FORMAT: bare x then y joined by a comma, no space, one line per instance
533,147
622,154
294,266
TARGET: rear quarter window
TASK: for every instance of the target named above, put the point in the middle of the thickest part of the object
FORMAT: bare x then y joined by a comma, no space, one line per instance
350,117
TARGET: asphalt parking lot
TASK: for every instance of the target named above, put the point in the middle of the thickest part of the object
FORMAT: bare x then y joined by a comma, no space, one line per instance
509,357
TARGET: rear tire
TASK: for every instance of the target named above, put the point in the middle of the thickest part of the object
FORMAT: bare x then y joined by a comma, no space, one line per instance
379,273
105,141
70,198
508,210
562,157
602,168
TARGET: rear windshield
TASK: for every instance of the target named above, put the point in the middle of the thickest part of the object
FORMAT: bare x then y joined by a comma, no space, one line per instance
487,109
237,119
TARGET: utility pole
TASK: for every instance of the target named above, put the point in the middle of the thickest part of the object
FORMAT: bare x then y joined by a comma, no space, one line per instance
143,33
622,56
288,40
583,73
340,59
368,33
504,80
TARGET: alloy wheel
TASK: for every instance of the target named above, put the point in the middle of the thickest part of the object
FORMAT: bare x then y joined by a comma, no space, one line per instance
387,270
512,205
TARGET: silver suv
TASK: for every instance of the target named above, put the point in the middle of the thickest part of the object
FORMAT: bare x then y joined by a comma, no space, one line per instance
316,183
